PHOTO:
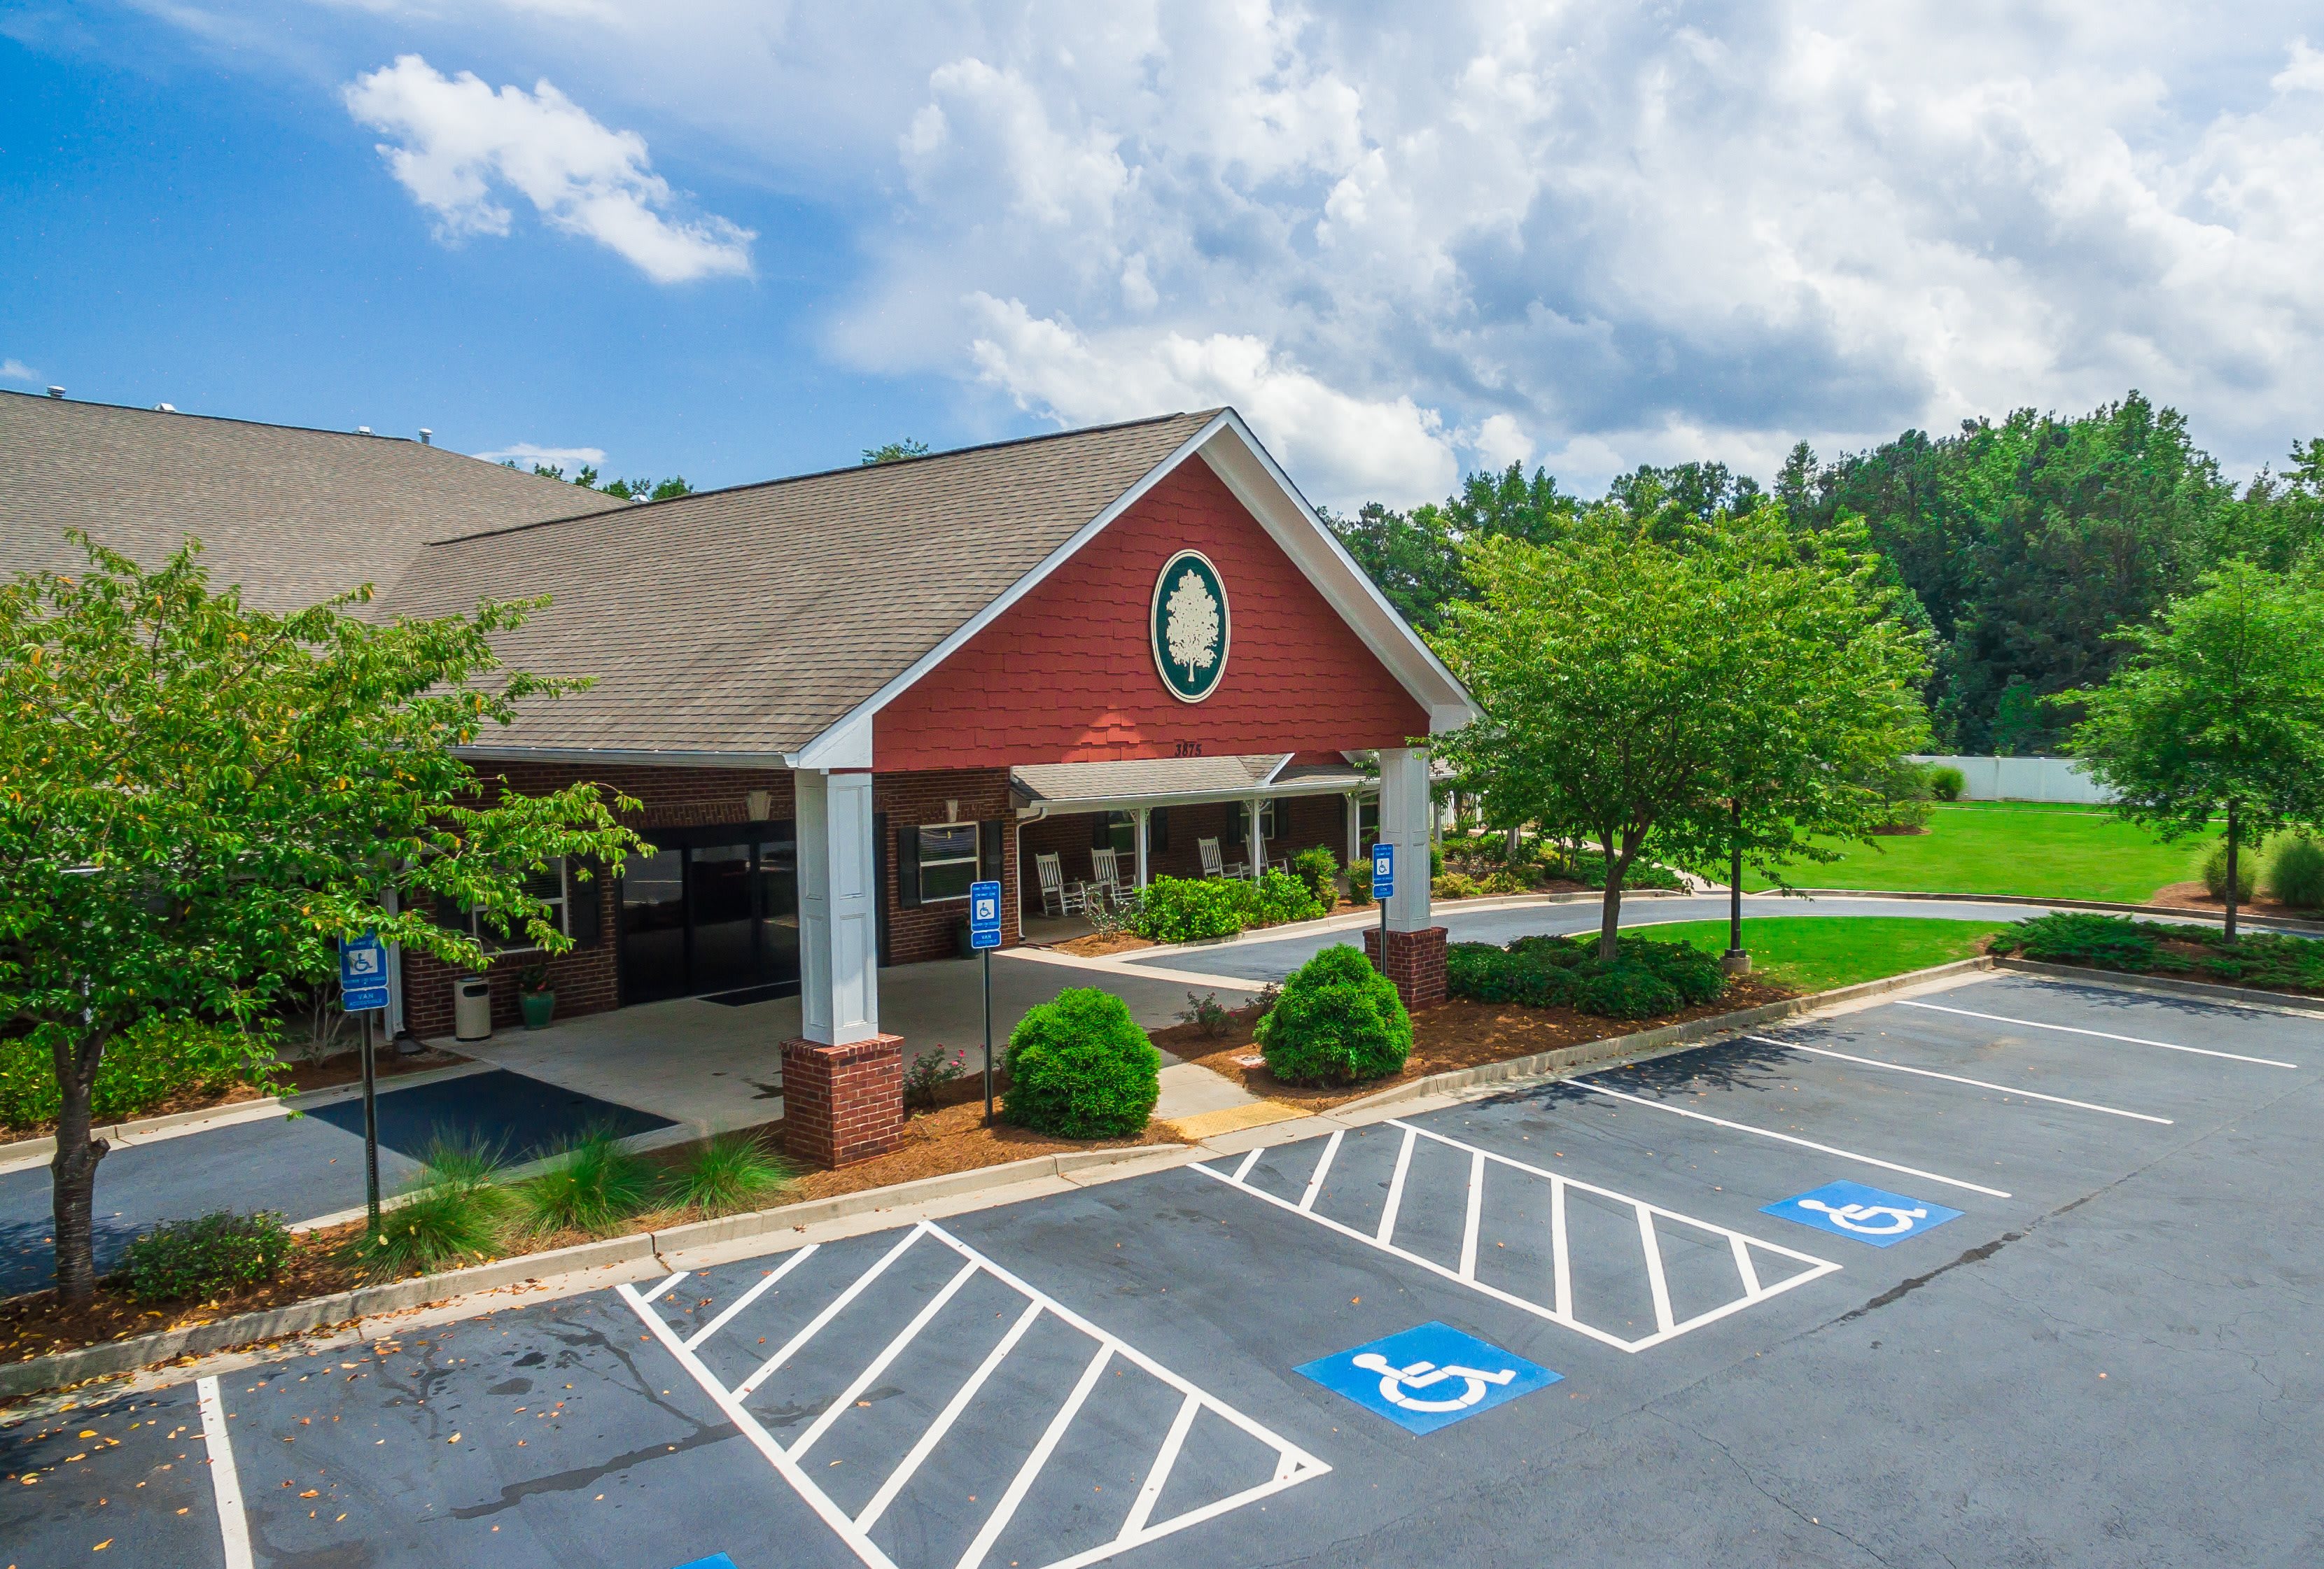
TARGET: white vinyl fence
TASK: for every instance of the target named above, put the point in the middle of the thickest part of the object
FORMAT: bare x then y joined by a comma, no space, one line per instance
2055,779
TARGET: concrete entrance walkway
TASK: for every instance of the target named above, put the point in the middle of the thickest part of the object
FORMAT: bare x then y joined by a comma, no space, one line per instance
710,1067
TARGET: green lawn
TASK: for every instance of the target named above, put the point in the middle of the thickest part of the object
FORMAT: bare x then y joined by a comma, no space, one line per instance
1818,952
2008,846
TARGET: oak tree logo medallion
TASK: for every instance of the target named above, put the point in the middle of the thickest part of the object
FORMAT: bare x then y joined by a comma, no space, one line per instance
1190,627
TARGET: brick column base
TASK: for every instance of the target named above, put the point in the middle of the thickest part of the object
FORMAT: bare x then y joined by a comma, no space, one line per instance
1416,963
844,1104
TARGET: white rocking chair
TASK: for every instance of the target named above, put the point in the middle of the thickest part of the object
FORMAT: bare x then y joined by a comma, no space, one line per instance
1059,897
1105,881
1214,864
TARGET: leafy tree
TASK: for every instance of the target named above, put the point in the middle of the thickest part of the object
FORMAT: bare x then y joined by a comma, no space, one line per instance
894,451
2218,712
1636,688
200,799
1414,559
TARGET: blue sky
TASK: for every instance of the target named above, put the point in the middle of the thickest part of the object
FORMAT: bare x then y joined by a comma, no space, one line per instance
737,238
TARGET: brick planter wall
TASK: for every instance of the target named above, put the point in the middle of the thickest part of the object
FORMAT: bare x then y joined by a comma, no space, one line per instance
843,1103
1416,963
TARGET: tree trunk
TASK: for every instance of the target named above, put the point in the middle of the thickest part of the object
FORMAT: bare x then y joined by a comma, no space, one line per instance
2229,894
73,1173
1609,909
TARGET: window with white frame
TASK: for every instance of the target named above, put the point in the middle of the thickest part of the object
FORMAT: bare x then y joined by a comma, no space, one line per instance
550,884
948,857
1267,822
1366,823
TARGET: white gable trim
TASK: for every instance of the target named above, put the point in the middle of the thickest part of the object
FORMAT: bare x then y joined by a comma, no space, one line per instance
1232,453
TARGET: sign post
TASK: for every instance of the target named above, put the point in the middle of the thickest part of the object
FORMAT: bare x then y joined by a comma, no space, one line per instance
984,936
362,987
1383,890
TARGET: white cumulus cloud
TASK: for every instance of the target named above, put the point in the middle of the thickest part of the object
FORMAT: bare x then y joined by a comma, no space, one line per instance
17,371
460,145
525,454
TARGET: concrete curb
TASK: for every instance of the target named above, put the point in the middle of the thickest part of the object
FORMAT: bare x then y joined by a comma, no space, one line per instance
1564,1059
71,1367
2199,917
2291,1003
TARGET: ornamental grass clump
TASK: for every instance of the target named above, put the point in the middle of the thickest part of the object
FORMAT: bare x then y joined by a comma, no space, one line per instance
208,1258
454,1214
2295,871
1080,1068
590,1185
2214,871
1339,1021
729,1174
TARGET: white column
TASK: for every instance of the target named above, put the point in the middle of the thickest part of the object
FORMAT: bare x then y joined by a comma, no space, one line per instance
1145,815
1256,849
839,913
1406,823
1355,826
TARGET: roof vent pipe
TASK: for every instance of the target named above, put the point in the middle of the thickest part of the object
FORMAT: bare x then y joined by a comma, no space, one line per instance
165,408
56,392
427,437
362,430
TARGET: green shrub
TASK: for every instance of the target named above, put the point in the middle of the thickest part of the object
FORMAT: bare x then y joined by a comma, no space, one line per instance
1624,989
926,1076
1905,788
2081,937
206,1258
1588,867
453,1215
2215,870
591,1184
1457,885
1359,881
1947,783
1338,1021
2295,871
1279,896
729,1173
1692,972
149,1065
1319,869
1190,909
1080,1068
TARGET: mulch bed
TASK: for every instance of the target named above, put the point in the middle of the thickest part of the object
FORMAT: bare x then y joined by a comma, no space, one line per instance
1450,1036
298,1078
2194,897
1097,944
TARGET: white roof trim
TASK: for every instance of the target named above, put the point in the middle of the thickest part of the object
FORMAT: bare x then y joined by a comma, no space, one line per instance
1260,483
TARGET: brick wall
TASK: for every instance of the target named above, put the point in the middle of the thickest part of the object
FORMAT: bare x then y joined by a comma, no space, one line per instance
1416,963
910,800
1067,674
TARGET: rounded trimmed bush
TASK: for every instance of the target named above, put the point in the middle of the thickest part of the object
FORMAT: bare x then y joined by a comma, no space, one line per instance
2295,871
1624,989
1339,1021
2215,870
1692,974
1080,1068
1947,783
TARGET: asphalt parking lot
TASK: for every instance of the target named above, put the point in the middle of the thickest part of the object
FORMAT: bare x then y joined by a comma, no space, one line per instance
2012,1273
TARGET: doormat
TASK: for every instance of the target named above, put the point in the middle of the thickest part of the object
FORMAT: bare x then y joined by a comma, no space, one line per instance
749,995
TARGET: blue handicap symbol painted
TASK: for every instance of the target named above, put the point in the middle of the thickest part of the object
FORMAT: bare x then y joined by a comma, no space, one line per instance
1429,1377
715,1561
1867,1214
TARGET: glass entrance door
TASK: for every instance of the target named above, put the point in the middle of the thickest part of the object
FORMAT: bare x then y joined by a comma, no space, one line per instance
712,909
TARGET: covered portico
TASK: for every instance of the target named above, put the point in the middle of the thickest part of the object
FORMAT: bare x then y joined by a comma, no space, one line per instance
1137,624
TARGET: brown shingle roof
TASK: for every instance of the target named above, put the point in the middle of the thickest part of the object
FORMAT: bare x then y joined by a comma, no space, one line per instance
747,621
294,516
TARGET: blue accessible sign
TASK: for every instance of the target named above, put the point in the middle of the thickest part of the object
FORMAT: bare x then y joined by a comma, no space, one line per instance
1867,1214
1383,871
985,914
363,973
1428,1377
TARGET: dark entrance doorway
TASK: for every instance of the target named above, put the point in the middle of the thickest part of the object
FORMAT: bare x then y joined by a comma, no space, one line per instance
712,909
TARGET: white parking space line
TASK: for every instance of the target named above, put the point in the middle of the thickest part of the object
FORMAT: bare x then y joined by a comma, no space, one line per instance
1292,1464
1316,1182
1560,1308
225,1480
1677,1111
2100,1035
766,1282
2112,1111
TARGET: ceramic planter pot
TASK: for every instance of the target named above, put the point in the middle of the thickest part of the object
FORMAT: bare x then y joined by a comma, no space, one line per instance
539,1008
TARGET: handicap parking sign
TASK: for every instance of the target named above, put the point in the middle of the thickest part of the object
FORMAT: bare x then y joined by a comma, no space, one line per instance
1383,871
1867,1214
985,914
363,973
1429,1377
